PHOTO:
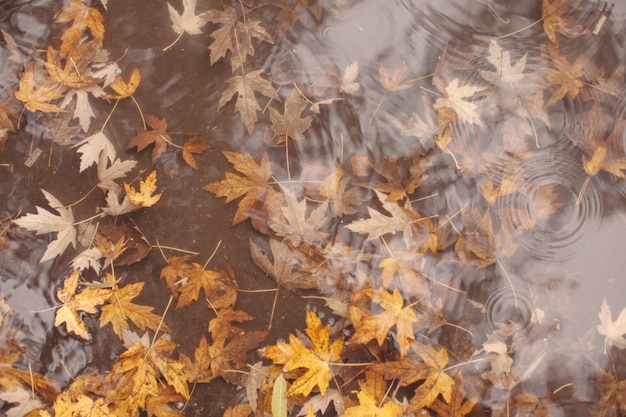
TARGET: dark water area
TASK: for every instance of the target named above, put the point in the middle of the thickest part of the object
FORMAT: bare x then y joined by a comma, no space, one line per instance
495,141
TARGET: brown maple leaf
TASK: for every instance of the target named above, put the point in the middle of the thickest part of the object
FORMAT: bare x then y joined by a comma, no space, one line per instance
562,74
234,36
186,279
398,184
458,406
552,14
246,104
477,244
296,226
282,266
157,136
70,74
253,184
82,17
192,147
290,124
228,349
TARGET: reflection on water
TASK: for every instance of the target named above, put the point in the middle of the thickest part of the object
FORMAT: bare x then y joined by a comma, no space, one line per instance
465,157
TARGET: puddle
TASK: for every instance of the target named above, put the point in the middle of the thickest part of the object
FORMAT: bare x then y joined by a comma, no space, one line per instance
461,162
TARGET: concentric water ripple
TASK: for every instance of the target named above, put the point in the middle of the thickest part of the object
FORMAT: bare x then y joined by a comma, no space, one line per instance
544,218
508,308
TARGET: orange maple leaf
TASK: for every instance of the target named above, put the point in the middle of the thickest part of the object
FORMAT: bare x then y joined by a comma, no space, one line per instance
144,197
253,184
314,361
186,280
157,136
125,89
37,96
378,326
193,147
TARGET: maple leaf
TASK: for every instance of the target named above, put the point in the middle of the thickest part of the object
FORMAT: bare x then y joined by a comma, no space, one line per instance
93,147
458,405
281,267
300,227
398,186
562,73
454,98
234,36
192,147
186,21
139,372
125,89
253,184
505,74
394,82
554,22
81,405
158,137
377,326
246,103
348,83
613,331
68,74
186,279
86,301
290,124
46,222
144,197
228,350
477,244
372,401
82,109
37,96
24,402
121,309
82,17
379,224
315,361
108,174
431,371
612,401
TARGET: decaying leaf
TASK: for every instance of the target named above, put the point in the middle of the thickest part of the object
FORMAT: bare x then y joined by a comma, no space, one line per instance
613,331
191,147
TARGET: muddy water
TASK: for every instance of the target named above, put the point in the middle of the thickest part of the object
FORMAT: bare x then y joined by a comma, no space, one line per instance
553,285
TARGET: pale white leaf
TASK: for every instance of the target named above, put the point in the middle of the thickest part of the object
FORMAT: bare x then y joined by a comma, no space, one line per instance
23,400
108,174
107,71
91,148
613,331
348,84
504,73
188,21
321,402
380,224
46,222
454,99
89,258
82,111
115,208
299,226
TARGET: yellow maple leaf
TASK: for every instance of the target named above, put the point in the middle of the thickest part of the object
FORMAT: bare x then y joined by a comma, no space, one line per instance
144,197
37,96
81,406
141,371
431,370
121,309
314,361
372,399
85,301
377,326
125,89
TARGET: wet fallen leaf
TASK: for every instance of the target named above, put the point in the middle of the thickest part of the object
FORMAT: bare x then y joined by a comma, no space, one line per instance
46,222
298,226
144,197
187,21
157,136
191,147
290,124
245,88
37,96
554,22
86,301
125,89
455,98
23,402
314,361
613,331
282,266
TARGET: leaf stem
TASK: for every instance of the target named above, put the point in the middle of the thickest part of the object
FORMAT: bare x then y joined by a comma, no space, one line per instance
180,35
519,30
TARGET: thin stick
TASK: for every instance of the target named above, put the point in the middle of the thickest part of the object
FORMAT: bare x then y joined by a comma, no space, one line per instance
579,199
176,249
442,284
156,332
213,254
170,142
180,35
519,30
380,103
143,120
463,364
269,327
506,274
